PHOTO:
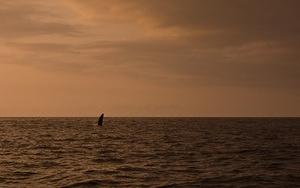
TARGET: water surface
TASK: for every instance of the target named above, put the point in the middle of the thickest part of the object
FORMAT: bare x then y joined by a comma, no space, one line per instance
150,152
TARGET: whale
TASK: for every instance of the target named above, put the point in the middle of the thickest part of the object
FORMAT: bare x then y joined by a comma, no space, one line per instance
100,120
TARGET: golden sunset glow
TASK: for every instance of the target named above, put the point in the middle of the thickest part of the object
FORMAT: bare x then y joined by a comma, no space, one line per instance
149,58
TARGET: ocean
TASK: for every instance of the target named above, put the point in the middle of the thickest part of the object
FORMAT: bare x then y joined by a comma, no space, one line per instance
150,152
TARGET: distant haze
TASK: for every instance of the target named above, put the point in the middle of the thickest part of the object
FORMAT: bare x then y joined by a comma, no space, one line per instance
150,57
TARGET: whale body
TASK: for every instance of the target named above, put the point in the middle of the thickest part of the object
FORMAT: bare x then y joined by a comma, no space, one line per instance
100,121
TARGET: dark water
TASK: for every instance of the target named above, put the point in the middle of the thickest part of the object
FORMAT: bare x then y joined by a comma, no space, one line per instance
150,152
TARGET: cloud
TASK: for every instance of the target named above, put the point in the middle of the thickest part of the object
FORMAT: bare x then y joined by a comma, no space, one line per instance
217,42
140,53
243,43
30,18
244,20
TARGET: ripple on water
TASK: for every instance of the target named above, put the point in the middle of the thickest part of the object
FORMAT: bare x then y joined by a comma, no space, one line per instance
149,152
93,183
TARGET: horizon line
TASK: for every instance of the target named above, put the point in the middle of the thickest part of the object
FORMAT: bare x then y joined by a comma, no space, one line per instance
151,117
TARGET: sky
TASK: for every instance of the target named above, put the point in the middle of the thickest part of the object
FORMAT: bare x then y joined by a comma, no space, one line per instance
149,58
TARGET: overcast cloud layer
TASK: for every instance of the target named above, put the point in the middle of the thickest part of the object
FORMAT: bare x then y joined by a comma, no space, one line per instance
150,58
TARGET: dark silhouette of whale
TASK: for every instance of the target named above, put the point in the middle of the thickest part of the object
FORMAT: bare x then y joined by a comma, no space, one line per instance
100,121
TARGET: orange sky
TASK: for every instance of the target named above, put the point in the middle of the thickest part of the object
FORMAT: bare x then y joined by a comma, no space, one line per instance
150,58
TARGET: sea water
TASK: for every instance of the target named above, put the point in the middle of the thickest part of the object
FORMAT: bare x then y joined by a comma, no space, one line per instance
150,152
